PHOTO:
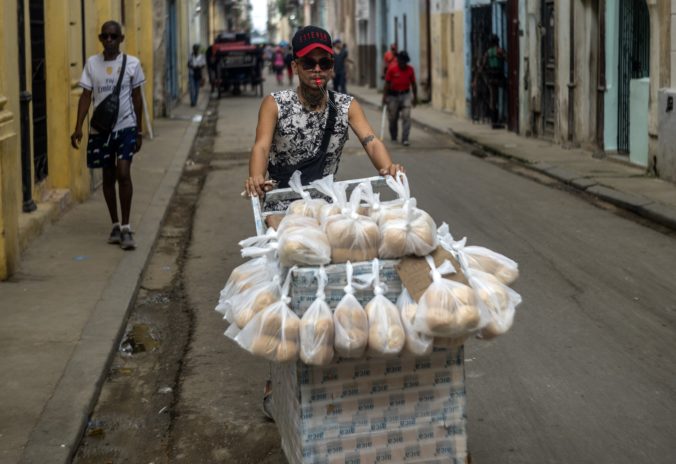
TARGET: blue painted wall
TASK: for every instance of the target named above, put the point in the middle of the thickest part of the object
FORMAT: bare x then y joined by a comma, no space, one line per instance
399,8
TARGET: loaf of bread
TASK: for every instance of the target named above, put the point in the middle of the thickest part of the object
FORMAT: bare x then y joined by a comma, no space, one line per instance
351,327
405,233
306,207
447,309
258,302
352,237
316,334
304,246
483,259
497,301
417,344
386,333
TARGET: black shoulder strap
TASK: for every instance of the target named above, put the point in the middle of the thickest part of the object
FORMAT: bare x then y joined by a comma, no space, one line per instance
118,86
330,123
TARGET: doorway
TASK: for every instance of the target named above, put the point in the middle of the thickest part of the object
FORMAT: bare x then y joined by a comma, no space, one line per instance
634,63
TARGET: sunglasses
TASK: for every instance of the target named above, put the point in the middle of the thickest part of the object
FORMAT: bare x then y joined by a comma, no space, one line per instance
105,36
324,63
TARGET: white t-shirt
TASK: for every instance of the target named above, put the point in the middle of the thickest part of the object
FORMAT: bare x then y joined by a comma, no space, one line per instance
100,77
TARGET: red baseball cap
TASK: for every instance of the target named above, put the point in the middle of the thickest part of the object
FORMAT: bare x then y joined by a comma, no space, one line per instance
308,38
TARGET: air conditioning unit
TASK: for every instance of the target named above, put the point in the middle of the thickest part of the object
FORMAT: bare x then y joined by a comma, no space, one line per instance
666,133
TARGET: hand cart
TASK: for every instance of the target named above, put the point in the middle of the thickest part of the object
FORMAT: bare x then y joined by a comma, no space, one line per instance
368,410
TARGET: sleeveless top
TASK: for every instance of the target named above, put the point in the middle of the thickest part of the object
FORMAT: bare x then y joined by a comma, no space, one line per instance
299,134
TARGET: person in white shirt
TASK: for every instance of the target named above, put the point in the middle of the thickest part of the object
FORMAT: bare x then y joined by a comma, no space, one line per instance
196,64
113,152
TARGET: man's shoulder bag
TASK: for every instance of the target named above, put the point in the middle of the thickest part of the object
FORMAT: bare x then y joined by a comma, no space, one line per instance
105,113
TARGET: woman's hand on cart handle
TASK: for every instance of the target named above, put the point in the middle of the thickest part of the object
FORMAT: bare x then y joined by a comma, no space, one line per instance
391,170
256,186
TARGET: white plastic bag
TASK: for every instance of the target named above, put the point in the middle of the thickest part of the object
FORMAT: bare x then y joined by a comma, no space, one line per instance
417,344
352,237
407,230
350,322
316,328
274,332
447,308
244,306
262,267
331,189
375,206
302,242
306,206
386,333
497,301
480,258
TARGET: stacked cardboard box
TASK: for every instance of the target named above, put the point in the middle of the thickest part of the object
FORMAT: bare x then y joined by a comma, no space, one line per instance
373,410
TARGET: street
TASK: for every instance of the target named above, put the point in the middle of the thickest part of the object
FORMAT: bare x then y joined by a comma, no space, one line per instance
586,375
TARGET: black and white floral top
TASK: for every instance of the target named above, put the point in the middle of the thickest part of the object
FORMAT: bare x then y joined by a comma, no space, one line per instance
299,134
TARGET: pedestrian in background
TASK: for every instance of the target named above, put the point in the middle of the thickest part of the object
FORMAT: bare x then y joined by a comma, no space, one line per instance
389,58
400,95
288,59
278,65
196,64
340,66
493,69
210,58
112,152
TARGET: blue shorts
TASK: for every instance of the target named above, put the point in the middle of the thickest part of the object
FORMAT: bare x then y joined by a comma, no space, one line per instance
103,150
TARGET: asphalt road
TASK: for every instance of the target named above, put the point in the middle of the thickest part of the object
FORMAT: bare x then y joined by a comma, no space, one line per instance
586,375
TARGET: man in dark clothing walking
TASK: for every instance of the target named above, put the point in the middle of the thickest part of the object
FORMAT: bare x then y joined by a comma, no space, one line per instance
340,60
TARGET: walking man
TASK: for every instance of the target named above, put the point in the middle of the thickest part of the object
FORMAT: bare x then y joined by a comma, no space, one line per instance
399,82
340,61
113,151
196,64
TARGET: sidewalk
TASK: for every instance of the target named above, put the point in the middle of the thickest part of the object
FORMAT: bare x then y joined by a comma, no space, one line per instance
615,182
63,310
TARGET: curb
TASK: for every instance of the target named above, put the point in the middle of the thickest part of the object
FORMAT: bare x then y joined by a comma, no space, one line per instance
639,205
58,431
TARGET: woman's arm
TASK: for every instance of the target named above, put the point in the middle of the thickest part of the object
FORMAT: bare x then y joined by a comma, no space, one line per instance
258,161
374,147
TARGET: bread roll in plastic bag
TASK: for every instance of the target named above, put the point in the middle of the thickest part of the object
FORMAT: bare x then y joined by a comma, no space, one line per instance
274,332
302,242
409,231
316,328
261,268
504,269
244,306
306,206
447,308
497,301
406,230
417,344
350,322
386,332
352,237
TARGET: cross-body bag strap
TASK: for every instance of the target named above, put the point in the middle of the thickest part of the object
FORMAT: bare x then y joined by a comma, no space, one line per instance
118,86
330,124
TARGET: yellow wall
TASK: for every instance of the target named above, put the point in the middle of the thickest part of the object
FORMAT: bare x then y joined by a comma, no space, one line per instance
448,67
10,172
